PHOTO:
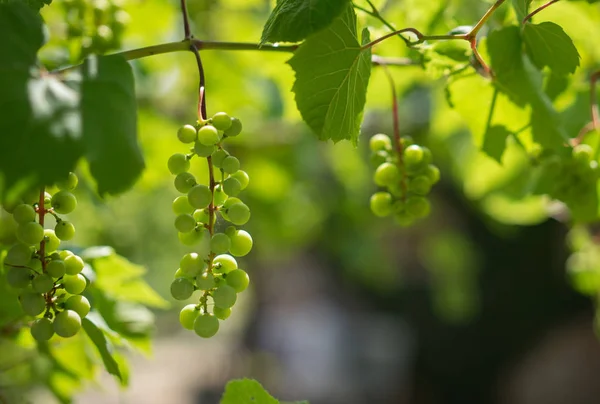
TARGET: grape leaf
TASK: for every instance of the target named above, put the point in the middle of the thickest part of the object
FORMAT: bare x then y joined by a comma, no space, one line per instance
521,8
332,74
103,346
294,20
246,391
109,111
547,44
494,142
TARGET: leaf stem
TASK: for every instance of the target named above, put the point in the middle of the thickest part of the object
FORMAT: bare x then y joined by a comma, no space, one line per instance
376,14
537,10
420,38
41,216
594,101
186,22
483,20
488,124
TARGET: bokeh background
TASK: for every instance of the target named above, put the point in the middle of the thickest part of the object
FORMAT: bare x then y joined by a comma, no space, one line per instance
472,305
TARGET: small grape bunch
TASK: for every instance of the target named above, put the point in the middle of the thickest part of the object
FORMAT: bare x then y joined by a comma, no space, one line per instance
201,207
407,174
48,280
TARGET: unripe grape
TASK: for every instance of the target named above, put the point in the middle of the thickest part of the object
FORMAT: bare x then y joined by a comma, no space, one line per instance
18,278
583,152
47,200
201,215
79,304
381,204
191,264
203,150
178,163
220,196
205,281
406,141
52,241
419,185
206,325
35,264
219,243
200,196
32,303
30,233
231,186
418,206
181,205
185,223
42,329
188,315
427,156
238,279
433,173
73,264
238,214
380,142
221,121
64,230
208,135
379,158
386,174
64,202
184,182
69,183
24,213
224,263
182,289
224,296
235,128
241,243
74,284
186,134
192,237
230,164
221,314
64,254
18,255
42,283
413,156
67,323
404,218
56,268
242,177
231,231
218,157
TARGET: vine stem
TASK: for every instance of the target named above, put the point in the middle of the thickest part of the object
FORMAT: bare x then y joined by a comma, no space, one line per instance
420,37
594,101
537,10
186,21
41,215
483,20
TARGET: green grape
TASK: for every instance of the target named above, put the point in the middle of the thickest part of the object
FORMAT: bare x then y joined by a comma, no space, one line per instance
185,223
30,233
206,325
380,142
67,323
231,201
182,288
32,303
186,134
56,268
191,264
205,281
224,263
48,200
64,202
200,196
381,204
35,264
18,255
231,186
221,121
418,206
188,315
181,205
69,183
184,182
230,231
582,152
218,157
201,215
242,177
24,213
180,274
238,279
74,284
219,243
241,243
413,156
42,283
433,173
404,218
31,196
224,296
73,264
406,141
379,158
386,174
230,164
235,128
238,214
79,304
220,196
208,135
42,330
64,230
427,156
419,185
221,314
203,150
52,241
18,278
178,163
191,238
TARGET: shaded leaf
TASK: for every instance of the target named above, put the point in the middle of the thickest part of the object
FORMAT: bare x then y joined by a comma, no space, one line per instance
103,346
494,142
547,44
521,8
246,391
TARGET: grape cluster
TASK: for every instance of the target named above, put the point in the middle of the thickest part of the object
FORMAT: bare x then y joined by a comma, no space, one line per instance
407,174
575,176
98,25
215,273
48,280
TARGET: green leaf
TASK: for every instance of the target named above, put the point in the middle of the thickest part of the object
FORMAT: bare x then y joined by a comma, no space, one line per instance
103,346
246,391
294,20
22,34
109,111
494,142
332,74
547,44
521,8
